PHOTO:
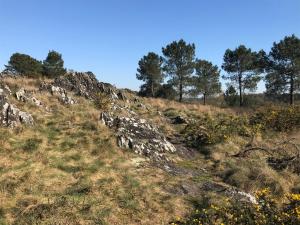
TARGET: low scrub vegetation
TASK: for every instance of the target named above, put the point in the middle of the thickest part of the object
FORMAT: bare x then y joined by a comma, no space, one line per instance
264,211
277,118
212,129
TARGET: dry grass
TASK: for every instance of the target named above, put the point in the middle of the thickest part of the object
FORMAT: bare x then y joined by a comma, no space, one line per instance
163,104
68,165
67,169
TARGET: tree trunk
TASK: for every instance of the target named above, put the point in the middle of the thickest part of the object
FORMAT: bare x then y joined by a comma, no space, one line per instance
180,90
292,90
240,90
204,99
152,89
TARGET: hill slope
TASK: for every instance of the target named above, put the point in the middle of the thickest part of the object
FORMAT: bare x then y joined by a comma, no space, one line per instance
77,151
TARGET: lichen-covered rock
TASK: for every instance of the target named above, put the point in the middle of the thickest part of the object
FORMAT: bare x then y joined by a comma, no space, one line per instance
60,92
140,136
87,85
2,98
231,192
62,95
121,95
107,119
21,95
5,90
24,96
11,116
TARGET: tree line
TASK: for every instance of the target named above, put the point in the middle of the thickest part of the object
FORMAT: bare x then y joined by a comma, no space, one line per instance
22,64
188,75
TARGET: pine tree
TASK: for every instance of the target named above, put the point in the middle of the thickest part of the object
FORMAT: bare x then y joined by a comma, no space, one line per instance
179,64
150,71
24,65
244,68
53,66
206,81
284,67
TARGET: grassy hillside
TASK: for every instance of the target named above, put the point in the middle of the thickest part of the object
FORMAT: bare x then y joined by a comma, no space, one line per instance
68,169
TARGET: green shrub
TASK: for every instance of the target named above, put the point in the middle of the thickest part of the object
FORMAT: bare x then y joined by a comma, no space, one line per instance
211,130
277,118
31,144
266,211
25,65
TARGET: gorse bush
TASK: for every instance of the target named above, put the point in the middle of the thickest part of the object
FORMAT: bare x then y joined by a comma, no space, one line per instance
218,128
266,211
277,118
212,130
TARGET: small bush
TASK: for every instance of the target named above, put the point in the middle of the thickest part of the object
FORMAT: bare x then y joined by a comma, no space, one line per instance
211,130
31,144
102,101
265,211
277,118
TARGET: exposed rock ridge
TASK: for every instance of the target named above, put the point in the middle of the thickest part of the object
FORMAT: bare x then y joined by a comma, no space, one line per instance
140,136
10,115
24,96
60,92
87,85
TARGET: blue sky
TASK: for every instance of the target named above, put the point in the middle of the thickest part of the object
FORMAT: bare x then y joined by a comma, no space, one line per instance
109,37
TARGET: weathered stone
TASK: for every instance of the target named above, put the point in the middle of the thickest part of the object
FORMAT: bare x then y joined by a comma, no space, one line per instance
5,90
121,96
60,92
12,116
9,73
106,119
87,85
140,136
229,191
24,96
35,101
21,95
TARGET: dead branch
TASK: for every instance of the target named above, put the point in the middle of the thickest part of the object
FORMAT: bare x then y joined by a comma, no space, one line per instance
278,148
244,152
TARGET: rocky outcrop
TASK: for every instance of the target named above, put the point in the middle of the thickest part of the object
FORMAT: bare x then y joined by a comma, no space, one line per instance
25,96
60,92
11,116
9,73
87,85
5,90
232,192
140,136
62,95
